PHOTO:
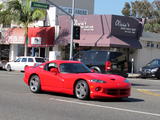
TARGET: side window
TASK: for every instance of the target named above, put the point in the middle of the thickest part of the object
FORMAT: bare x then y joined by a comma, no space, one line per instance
18,60
49,66
24,60
30,59
158,62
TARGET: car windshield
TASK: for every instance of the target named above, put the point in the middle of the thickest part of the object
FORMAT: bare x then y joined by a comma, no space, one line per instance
41,60
152,63
74,68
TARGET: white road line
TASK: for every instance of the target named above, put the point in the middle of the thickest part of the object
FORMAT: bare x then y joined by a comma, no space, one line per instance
107,107
154,90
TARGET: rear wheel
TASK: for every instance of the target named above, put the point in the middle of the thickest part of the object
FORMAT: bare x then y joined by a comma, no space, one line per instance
34,84
9,67
82,90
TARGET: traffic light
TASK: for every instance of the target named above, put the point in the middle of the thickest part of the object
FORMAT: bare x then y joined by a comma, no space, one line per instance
76,32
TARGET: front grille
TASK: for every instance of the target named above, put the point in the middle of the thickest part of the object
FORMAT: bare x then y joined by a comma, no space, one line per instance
146,70
118,91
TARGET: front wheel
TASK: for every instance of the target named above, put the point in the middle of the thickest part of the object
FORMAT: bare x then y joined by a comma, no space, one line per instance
82,90
34,84
9,67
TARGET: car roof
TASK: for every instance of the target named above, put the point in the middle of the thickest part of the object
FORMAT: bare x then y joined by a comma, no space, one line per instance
64,61
28,57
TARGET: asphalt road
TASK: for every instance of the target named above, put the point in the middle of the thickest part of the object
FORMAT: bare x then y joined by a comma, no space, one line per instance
18,103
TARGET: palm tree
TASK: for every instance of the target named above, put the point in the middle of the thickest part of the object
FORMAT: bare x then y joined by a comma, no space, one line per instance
21,13
126,10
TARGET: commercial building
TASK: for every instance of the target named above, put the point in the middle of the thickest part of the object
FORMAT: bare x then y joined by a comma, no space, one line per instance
15,39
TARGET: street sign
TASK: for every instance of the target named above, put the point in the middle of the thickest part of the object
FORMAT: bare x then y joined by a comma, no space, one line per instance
40,5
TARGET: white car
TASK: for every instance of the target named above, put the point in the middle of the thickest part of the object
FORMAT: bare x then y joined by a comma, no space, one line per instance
21,62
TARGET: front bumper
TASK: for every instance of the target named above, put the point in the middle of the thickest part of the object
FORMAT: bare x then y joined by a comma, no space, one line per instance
147,74
118,90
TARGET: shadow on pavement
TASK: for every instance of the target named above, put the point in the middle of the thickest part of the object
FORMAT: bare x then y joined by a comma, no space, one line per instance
98,100
139,84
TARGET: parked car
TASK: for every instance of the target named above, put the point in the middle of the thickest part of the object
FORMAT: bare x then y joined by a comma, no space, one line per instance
21,62
152,69
75,78
104,61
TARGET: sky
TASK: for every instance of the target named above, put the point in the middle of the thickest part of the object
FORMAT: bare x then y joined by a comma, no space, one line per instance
110,6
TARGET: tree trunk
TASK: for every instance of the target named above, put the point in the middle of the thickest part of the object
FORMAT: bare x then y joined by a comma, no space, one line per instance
26,41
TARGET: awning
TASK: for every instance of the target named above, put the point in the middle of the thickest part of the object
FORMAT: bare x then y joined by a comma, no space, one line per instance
108,41
41,36
123,42
89,40
13,36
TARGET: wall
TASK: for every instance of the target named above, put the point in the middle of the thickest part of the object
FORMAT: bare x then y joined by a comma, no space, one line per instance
148,52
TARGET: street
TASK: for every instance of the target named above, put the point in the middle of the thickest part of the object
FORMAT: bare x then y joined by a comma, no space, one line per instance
18,103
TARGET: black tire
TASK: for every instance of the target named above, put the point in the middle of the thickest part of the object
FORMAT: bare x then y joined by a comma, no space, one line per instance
8,68
34,84
81,90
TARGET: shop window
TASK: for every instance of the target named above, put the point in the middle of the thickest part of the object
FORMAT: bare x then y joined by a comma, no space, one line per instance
6,25
148,44
157,46
152,44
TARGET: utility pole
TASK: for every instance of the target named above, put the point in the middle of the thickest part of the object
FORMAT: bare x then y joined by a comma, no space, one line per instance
72,24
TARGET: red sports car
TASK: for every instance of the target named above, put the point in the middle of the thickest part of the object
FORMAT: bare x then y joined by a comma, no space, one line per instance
75,78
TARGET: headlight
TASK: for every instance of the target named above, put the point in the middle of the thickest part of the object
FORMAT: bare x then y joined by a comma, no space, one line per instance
98,81
126,81
154,70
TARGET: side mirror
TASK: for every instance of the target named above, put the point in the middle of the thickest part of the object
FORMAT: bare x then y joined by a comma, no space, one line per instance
54,70
92,70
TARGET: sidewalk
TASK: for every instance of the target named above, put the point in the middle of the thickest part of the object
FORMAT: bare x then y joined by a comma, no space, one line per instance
133,75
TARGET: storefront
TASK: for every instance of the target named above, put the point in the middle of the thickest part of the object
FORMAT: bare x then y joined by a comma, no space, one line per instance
103,32
40,41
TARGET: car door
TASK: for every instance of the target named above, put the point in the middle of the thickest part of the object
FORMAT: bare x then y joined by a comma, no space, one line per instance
49,80
15,64
30,62
22,63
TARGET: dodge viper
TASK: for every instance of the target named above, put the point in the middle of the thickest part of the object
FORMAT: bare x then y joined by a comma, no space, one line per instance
75,78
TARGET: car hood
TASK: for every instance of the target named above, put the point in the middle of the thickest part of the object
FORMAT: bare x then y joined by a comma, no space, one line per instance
105,77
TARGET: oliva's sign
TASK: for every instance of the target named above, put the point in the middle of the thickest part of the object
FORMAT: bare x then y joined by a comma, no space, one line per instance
125,27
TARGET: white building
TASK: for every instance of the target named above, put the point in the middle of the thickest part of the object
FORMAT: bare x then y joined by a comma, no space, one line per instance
150,50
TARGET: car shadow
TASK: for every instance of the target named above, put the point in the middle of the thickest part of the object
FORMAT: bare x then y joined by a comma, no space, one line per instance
119,100
139,84
130,99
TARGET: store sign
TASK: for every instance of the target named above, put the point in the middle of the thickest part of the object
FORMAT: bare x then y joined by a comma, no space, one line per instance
124,26
16,39
36,40
84,25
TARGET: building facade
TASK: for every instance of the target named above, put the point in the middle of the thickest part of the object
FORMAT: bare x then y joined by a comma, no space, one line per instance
82,7
150,50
